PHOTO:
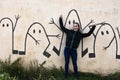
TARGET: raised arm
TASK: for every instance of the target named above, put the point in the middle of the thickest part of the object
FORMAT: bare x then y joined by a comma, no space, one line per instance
90,32
61,25
17,18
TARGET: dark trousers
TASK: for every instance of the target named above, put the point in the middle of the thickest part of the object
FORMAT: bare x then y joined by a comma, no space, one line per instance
73,54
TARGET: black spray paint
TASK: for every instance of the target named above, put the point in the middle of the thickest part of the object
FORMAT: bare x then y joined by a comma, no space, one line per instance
13,29
37,42
118,31
69,22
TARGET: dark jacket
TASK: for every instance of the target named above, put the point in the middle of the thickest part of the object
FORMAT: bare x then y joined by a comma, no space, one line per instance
73,37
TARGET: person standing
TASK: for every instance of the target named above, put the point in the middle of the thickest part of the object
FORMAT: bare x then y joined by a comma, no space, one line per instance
73,38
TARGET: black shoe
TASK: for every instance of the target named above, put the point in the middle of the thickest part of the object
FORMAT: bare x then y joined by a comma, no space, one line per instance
77,77
66,78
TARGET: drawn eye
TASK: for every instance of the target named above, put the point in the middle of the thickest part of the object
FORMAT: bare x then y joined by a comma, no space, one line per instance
7,25
39,31
69,22
3,25
34,31
73,21
102,32
107,32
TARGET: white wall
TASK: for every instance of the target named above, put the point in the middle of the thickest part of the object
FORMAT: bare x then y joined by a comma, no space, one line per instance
41,11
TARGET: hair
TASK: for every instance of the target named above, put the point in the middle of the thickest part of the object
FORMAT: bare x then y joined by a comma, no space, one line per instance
77,24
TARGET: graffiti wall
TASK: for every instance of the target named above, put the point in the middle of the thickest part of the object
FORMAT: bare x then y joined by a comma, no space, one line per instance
30,29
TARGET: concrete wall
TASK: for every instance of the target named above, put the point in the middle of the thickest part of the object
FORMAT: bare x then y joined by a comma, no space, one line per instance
30,29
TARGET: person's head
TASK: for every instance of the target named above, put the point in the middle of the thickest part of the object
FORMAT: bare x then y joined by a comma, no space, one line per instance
76,26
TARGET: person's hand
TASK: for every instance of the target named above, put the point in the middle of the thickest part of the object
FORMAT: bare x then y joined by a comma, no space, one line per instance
61,16
94,26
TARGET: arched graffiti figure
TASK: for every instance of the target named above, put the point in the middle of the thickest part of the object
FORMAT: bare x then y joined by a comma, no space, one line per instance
105,31
37,36
8,28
